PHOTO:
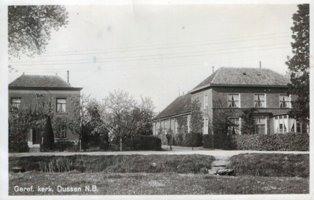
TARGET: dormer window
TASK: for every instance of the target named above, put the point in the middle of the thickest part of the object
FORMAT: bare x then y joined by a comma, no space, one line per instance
233,101
284,101
259,101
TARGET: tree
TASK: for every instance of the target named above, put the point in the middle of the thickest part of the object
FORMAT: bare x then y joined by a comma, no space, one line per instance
196,117
299,63
248,126
29,27
48,137
118,107
197,122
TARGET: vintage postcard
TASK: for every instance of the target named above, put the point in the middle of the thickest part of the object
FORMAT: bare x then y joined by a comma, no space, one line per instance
171,99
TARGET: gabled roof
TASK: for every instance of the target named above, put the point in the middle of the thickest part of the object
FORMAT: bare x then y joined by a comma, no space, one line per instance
180,105
243,77
40,82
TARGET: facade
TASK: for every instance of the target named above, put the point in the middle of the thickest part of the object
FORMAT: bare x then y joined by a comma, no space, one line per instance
227,93
47,93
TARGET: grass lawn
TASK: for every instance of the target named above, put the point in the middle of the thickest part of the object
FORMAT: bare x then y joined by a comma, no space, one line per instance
154,183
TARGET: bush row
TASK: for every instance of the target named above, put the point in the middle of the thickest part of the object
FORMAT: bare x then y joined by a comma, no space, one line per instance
188,139
287,165
276,142
139,142
114,163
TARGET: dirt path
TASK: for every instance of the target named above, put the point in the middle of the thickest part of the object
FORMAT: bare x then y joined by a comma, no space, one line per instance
176,150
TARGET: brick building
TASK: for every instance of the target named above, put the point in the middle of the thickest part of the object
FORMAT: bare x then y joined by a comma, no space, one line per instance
31,92
233,90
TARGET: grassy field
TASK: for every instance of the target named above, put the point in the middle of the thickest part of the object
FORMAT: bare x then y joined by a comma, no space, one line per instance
114,163
154,183
288,165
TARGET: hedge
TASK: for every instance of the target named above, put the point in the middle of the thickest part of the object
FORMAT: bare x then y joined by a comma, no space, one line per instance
275,142
188,139
138,142
64,145
284,165
115,163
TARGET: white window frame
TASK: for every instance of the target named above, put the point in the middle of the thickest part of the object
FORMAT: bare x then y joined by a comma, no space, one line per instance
205,101
61,109
239,100
288,102
14,104
265,102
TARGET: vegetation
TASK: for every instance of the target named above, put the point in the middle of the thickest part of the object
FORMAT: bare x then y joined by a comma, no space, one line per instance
115,163
29,27
48,137
124,117
287,165
248,121
159,184
276,142
299,63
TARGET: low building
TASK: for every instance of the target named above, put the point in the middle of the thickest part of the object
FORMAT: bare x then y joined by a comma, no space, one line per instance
47,94
226,94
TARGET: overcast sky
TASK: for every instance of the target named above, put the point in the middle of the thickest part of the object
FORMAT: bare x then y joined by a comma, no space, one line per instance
161,51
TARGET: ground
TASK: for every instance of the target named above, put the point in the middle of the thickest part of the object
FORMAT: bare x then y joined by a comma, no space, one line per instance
157,183
113,173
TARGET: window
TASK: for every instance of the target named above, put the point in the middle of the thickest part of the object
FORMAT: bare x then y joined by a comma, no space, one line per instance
61,105
260,125
259,101
206,101
233,101
234,126
284,101
15,103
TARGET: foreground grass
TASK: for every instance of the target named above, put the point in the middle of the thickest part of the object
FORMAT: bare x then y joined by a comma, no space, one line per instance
114,163
156,183
254,164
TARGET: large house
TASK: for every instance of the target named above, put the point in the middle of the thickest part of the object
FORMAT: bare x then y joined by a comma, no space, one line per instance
233,90
47,94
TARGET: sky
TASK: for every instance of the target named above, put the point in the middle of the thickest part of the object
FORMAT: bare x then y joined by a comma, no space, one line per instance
161,51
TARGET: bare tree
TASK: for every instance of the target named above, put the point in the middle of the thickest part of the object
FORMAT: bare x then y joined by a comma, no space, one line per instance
118,107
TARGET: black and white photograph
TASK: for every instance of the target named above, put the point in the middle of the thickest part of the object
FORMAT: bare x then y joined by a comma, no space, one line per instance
156,98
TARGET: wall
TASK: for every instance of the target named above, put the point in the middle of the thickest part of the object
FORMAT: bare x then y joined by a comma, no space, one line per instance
33,98
218,102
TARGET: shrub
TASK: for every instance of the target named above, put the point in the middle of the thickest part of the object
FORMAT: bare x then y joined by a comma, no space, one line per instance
137,142
48,137
275,142
65,145
115,163
145,142
17,139
218,141
271,164
17,143
188,139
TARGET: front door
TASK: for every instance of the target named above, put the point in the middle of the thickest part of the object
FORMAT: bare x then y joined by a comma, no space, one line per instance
36,136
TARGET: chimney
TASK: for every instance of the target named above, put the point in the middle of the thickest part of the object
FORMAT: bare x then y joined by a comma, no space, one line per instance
260,64
213,69
68,77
